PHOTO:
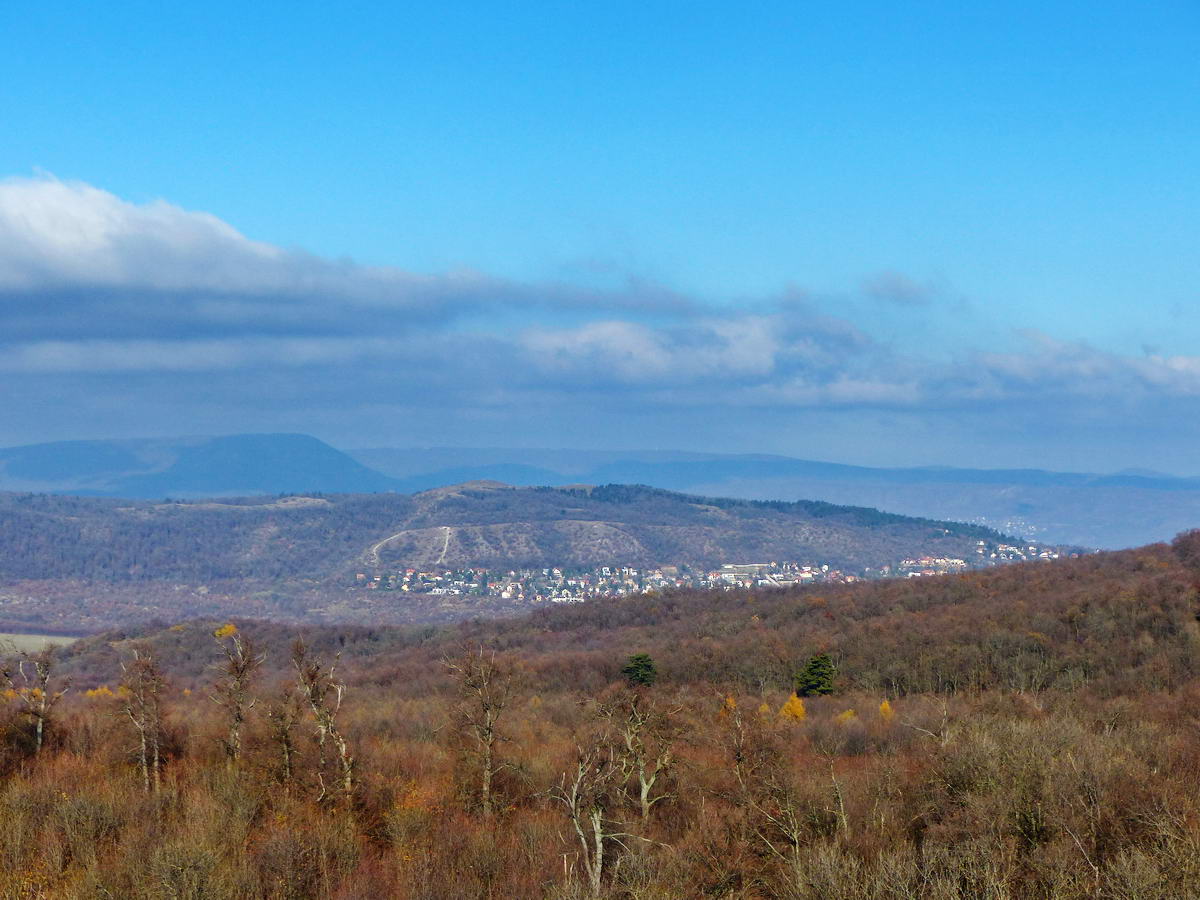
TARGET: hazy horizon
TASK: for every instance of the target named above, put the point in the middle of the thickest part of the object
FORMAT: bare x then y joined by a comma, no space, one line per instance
614,452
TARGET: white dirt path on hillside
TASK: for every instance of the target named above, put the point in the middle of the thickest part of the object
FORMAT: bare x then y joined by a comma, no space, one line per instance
371,557
445,545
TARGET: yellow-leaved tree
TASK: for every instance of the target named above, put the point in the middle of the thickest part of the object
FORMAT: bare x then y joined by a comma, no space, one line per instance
885,711
729,706
793,710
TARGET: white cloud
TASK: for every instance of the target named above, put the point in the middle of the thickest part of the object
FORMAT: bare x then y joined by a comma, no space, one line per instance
63,236
712,348
153,296
55,233
1054,367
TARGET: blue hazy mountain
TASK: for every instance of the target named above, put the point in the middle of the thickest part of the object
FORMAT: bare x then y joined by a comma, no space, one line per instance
1124,509
188,467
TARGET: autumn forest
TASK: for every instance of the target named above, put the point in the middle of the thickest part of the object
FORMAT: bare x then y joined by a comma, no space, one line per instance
1029,731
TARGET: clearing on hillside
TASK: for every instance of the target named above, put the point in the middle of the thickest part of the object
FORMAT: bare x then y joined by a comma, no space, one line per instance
33,642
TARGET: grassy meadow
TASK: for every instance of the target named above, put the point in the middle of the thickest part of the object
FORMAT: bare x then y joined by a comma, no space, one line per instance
33,642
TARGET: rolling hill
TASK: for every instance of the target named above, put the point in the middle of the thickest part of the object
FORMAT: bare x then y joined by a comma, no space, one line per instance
71,561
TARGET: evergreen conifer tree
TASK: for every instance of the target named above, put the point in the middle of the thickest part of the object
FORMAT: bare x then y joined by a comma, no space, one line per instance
816,678
640,670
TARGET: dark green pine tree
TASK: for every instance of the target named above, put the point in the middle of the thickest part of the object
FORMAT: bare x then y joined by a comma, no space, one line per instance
816,678
640,670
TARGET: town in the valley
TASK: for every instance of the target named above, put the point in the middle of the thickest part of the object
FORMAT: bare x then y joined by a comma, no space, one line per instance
565,585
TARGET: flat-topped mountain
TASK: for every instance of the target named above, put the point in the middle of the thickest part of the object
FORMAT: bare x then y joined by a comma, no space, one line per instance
295,553
239,464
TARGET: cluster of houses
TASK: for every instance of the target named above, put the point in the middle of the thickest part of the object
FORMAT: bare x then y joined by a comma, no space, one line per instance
564,585
561,585
985,555
1012,553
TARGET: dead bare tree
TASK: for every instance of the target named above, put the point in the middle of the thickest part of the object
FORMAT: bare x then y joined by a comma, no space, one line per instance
142,686
33,690
322,692
484,690
231,691
944,731
588,793
281,717
646,736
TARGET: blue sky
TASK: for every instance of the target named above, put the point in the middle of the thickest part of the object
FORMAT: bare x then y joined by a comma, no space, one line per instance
880,233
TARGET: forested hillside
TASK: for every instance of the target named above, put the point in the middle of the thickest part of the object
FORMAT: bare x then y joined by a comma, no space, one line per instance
1119,621
84,563
1023,732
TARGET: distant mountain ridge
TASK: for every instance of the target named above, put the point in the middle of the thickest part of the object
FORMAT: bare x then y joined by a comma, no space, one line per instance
413,466
1124,509
244,464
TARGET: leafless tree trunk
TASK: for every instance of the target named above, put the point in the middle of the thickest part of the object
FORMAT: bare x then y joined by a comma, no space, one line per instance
34,691
144,684
323,694
943,733
587,794
232,689
645,735
485,691
282,716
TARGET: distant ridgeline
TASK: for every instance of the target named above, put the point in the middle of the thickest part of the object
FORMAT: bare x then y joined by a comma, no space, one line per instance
865,516
1109,511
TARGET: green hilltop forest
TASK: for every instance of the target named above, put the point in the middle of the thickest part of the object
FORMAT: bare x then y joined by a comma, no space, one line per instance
1026,731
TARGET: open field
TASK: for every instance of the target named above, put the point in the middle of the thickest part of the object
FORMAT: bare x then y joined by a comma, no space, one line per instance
33,641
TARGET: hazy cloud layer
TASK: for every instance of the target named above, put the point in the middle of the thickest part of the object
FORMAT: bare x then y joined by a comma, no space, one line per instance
109,304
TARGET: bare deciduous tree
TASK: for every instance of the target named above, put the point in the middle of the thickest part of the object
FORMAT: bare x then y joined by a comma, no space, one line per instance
484,690
780,819
943,733
232,689
143,685
320,689
34,693
646,736
282,716
588,794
